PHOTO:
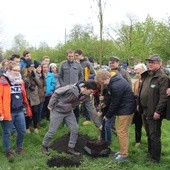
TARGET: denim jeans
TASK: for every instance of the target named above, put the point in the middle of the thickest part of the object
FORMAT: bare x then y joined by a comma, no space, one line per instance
18,120
107,131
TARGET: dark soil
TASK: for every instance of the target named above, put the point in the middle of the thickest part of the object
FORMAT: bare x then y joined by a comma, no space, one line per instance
94,147
61,144
61,161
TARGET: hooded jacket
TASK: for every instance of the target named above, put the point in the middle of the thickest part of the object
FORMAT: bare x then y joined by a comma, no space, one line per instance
120,98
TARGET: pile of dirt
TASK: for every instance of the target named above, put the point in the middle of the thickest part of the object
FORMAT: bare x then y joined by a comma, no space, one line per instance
93,148
61,144
61,161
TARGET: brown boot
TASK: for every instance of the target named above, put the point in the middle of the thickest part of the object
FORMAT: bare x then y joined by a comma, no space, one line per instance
72,151
10,155
20,150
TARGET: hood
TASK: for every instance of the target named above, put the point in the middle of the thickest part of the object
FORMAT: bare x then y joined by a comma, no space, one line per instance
115,78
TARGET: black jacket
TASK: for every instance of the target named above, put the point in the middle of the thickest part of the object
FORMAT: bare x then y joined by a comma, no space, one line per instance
121,100
157,98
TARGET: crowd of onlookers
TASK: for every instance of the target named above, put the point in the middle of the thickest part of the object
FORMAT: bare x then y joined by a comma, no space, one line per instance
33,90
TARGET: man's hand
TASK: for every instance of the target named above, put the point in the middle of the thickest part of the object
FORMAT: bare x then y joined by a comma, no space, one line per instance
1,118
101,127
105,118
156,116
49,108
168,92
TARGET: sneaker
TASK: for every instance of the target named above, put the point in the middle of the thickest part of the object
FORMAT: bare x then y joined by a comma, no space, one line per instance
86,122
116,154
121,158
36,130
20,150
137,145
10,155
72,151
28,131
45,150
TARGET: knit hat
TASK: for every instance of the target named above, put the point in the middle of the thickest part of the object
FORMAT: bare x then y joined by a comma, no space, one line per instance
29,63
36,64
52,65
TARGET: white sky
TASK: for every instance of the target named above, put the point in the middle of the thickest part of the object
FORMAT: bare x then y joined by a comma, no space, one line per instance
46,20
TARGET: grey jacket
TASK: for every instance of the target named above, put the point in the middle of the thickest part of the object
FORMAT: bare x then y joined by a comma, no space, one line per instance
125,75
66,98
70,73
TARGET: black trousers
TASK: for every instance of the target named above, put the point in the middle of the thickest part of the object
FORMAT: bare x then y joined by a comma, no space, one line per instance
45,110
153,131
137,120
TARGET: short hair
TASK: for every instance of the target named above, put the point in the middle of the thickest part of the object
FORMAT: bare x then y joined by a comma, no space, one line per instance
25,53
78,51
102,75
89,84
14,56
69,51
141,66
45,57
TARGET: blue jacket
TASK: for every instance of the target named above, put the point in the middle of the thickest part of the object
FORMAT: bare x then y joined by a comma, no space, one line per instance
121,100
50,84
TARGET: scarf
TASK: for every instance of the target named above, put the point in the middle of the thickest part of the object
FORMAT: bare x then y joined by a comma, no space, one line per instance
15,80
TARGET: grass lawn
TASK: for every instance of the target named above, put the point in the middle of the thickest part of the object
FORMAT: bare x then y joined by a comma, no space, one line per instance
33,159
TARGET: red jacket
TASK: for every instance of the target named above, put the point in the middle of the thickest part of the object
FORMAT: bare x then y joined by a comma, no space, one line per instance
5,99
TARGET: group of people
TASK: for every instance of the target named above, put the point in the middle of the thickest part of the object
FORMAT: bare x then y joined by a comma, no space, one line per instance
32,90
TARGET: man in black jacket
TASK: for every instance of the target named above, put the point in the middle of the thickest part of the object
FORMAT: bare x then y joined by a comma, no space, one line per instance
152,102
121,102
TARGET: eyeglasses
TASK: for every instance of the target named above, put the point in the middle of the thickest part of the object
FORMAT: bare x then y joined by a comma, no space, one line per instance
15,70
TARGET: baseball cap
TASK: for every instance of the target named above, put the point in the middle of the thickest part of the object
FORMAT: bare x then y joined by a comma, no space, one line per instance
154,57
114,58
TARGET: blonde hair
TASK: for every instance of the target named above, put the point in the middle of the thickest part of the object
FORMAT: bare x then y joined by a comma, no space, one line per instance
12,64
141,66
102,75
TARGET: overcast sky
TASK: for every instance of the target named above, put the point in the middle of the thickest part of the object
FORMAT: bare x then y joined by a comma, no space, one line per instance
46,20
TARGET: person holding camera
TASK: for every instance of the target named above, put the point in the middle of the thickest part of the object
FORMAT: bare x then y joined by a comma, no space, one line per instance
31,84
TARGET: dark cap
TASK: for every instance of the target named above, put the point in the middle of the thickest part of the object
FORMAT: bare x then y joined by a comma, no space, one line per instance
114,59
29,63
36,64
154,57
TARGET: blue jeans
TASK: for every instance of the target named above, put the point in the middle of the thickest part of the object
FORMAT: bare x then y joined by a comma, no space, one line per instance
107,131
18,120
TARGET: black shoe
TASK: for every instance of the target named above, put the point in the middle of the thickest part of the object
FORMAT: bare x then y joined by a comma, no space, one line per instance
72,151
45,150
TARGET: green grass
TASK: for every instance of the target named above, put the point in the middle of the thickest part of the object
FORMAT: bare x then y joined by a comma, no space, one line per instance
33,159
